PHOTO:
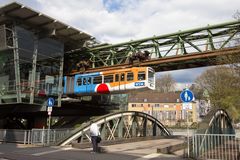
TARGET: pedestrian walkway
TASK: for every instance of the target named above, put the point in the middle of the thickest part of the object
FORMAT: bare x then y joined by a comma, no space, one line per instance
142,150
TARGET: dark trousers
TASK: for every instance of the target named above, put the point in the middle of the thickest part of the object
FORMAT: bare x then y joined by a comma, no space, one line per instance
94,143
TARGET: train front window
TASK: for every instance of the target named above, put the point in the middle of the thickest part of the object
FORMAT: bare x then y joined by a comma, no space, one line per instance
130,76
141,75
150,75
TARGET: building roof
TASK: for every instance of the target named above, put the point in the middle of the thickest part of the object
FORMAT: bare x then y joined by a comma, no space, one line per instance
33,20
154,97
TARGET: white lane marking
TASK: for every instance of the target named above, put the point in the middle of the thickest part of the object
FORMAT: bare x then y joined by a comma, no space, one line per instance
47,152
149,156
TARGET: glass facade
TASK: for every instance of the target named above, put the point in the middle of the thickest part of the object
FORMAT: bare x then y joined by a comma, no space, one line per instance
38,61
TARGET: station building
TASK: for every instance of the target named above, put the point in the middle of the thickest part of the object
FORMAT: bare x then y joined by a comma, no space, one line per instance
33,47
166,107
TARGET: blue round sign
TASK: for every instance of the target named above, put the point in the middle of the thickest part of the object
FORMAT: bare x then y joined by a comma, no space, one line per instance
50,102
186,95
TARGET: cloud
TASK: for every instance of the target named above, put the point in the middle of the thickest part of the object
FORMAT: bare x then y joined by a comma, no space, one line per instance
117,21
122,20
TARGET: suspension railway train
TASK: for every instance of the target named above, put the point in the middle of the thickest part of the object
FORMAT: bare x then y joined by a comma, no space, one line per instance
113,81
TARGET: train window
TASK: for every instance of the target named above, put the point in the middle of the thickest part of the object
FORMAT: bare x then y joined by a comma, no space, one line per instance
84,81
130,76
79,81
89,80
108,79
97,80
122,77
141,75
116,77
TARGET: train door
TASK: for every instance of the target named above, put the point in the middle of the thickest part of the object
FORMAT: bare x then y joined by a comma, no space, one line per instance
87,83
122,81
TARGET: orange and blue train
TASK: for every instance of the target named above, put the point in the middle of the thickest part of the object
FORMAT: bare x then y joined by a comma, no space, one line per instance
112,81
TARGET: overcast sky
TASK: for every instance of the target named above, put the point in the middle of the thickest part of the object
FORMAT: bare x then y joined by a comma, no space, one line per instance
115,21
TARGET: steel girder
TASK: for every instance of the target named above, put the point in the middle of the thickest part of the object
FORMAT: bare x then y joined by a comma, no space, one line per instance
199,40
120,125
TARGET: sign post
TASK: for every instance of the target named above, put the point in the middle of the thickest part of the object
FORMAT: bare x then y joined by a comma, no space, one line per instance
50,104
187,96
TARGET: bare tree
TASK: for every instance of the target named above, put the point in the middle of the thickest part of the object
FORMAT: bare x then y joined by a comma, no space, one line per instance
165,83
223,88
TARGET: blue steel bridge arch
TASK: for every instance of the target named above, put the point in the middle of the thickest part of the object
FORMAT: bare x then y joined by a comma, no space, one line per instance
120,125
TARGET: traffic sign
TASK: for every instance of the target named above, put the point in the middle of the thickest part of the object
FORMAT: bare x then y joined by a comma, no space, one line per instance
50,102
186,95
49,109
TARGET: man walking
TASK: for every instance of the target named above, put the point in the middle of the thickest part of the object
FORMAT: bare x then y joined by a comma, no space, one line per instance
94,133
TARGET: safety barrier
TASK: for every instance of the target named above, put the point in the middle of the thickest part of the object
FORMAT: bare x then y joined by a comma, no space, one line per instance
216,146
34,136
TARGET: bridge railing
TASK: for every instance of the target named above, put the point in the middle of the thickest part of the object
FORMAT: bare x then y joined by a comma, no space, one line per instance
216,146
34,136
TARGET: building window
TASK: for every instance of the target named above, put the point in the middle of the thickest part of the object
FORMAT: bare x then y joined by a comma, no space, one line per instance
141,105
166,106
157,105
134,105
145,100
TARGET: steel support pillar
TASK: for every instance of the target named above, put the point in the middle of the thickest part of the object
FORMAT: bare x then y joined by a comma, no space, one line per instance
60,81
16,65
34,65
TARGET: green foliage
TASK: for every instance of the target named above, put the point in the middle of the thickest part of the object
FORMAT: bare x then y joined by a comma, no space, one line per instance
223,87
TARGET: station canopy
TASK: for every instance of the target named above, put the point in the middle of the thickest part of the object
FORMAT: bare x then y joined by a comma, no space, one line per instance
44,25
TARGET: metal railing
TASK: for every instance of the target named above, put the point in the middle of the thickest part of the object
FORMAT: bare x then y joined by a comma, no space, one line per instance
34,136
216,146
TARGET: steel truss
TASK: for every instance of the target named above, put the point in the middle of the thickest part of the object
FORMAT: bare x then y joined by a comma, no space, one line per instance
121,125
199,40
